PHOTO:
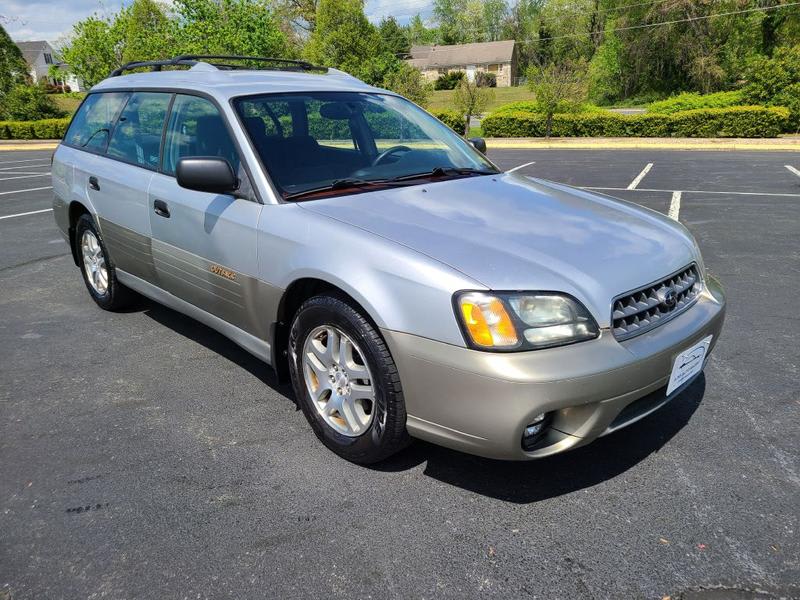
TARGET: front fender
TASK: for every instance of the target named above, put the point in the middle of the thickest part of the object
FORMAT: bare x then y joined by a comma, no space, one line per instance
401,289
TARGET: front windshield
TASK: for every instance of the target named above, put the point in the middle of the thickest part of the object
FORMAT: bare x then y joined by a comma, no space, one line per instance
313,143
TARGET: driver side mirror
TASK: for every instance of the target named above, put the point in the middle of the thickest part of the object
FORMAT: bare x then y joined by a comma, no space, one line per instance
479,144
206,174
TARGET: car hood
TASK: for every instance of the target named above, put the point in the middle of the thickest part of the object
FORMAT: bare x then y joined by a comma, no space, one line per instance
510,232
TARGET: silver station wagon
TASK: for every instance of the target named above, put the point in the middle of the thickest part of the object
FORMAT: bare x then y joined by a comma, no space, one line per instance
405,285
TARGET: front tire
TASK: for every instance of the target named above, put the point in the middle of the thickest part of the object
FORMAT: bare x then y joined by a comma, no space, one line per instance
97,270
346,382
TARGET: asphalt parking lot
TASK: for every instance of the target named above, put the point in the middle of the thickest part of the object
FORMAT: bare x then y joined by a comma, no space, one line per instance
143,455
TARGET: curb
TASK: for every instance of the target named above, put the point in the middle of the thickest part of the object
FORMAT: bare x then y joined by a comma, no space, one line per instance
790,144
13,145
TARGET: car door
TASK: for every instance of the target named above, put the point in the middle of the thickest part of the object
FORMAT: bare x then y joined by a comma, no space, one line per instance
204,244
120,184
116,191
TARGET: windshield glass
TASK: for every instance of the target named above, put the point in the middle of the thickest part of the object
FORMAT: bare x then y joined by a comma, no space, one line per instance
313,143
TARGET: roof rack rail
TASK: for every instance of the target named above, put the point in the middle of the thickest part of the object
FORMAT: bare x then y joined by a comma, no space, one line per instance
189,60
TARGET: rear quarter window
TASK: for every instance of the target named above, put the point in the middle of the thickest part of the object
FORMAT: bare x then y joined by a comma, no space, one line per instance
91,127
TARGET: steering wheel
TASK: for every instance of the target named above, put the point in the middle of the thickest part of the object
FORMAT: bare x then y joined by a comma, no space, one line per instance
387,153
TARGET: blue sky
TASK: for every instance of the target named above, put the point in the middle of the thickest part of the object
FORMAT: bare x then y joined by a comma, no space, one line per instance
51,20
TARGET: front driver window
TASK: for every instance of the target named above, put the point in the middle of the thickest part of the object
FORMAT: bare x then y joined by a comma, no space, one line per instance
196,128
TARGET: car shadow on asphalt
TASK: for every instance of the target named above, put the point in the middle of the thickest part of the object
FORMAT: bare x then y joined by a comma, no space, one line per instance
590,465
513,481
216,342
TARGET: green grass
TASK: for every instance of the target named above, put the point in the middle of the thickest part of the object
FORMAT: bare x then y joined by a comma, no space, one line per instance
443,99
68,104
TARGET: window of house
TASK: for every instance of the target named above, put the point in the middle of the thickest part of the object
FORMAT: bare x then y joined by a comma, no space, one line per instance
48,59
494,68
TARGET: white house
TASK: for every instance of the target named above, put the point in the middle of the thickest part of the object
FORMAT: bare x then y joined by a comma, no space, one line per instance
40,56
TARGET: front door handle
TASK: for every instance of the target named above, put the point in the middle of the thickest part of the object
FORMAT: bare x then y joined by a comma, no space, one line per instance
93,183
161,208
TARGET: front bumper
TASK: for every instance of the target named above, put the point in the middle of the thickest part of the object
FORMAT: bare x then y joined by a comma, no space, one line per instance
480,402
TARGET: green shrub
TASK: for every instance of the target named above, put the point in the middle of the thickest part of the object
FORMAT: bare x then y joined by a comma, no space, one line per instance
45,129
29,103
737,121
485,79
776,82
532,106
450,118
692,101
449,81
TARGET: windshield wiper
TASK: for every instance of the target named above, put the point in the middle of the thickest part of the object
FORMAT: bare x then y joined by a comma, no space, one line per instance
340,184
445,172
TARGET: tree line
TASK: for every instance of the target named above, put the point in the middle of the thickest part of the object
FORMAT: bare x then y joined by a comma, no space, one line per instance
629,49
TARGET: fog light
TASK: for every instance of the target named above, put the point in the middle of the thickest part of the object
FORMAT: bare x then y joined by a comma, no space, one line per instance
535,430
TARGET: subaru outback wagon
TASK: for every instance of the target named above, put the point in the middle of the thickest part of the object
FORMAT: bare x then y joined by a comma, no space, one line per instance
405,285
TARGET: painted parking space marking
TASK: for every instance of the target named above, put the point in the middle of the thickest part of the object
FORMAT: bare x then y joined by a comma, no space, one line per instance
38,189
24,176
617,189
640,176
675,206
8,162
32,212
16,169
522,166
792,170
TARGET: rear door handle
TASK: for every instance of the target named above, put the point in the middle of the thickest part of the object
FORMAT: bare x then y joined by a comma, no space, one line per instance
161,208
93,183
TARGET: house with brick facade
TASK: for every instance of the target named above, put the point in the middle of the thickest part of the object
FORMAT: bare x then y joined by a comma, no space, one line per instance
499,58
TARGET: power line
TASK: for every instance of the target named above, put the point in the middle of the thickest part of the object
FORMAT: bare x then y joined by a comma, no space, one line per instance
661,23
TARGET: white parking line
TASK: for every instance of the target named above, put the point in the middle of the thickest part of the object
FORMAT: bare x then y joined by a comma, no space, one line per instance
517,168
44,164
792,169
675,206
47,187
612,189
8,162
33,212
640,176
24,176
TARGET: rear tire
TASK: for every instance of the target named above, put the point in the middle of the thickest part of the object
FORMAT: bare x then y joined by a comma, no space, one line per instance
97,269
346,382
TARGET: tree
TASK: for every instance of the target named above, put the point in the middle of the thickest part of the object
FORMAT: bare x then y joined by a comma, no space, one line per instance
418,34
494,15
470,100
393,37
408,82
557,87
29,103
147,33
243,27
302,13
94,49
13,68
605,70
345,39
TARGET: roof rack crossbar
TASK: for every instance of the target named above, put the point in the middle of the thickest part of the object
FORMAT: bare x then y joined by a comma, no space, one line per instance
189,60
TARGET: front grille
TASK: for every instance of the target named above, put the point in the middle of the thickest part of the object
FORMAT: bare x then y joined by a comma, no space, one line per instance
639,311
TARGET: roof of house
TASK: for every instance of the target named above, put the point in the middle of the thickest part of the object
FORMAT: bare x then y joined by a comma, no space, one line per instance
432,57
31,50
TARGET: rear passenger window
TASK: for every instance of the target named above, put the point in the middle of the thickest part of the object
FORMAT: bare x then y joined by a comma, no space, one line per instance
137,135
196,128
91,127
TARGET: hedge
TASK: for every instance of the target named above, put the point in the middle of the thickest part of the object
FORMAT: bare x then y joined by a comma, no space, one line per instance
692,101
450,118
737,121
46,129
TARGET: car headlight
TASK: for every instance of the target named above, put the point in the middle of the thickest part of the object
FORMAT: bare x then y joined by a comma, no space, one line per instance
523,320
